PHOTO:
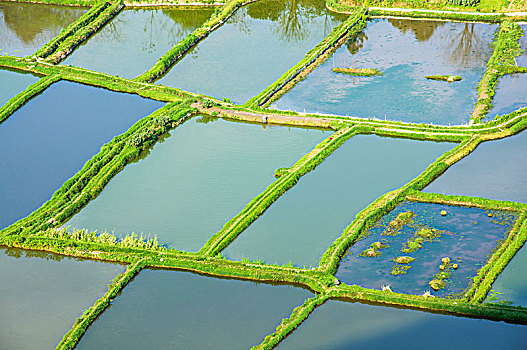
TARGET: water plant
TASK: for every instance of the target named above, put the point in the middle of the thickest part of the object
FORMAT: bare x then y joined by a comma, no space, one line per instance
361,72
394,226
374,249
449,78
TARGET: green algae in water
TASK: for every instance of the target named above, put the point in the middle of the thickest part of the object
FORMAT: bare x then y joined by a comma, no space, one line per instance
42,295
194,180
173,309
13,82
301,224
49,139
344,325
253,48
495,170
24,28
144,34
460,240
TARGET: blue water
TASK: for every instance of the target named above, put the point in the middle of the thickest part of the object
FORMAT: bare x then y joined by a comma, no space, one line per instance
12,83
339,325
173,309
49,139
42,294
496,170
196,180
405,51
469,236
253,48
304,222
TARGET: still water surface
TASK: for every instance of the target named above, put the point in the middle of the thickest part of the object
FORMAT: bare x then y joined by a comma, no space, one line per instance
194,181
304,222
12,83
174,309
405,51
42,294
135,39
339,325
24,28
496,170
254,47
50,138
468,235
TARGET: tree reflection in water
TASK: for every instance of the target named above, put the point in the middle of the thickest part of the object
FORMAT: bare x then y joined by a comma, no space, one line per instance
468,48
29,21
292,18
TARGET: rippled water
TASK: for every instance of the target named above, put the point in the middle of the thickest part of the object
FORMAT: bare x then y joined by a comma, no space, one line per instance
468,236
12,83
172,309
135,39
496,170
405,51
42,294
259,43
50,138
24,28
339,325
196,180
304,222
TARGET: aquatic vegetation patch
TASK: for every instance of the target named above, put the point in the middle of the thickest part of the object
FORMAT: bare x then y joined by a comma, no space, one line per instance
360,72
374,249
449,78
394,226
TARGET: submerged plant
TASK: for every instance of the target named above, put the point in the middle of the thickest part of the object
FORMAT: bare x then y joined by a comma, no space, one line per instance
399,269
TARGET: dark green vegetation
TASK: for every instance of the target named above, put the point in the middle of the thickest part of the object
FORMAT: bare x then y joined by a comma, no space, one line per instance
41,230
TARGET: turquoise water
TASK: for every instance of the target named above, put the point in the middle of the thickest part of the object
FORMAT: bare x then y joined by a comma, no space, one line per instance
511,285
197,179
339,325
49,139
468,235
405,51
135,39
42,294
511,95
12,83
173,309
496,170
24,28
304,222
254,47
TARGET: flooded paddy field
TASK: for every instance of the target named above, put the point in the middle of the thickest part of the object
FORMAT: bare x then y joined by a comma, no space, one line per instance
24,28
201,175
344,325
42,294
412,253
253,48
168,309
494,170
133,41
405,51
13,83
308,218
49,139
